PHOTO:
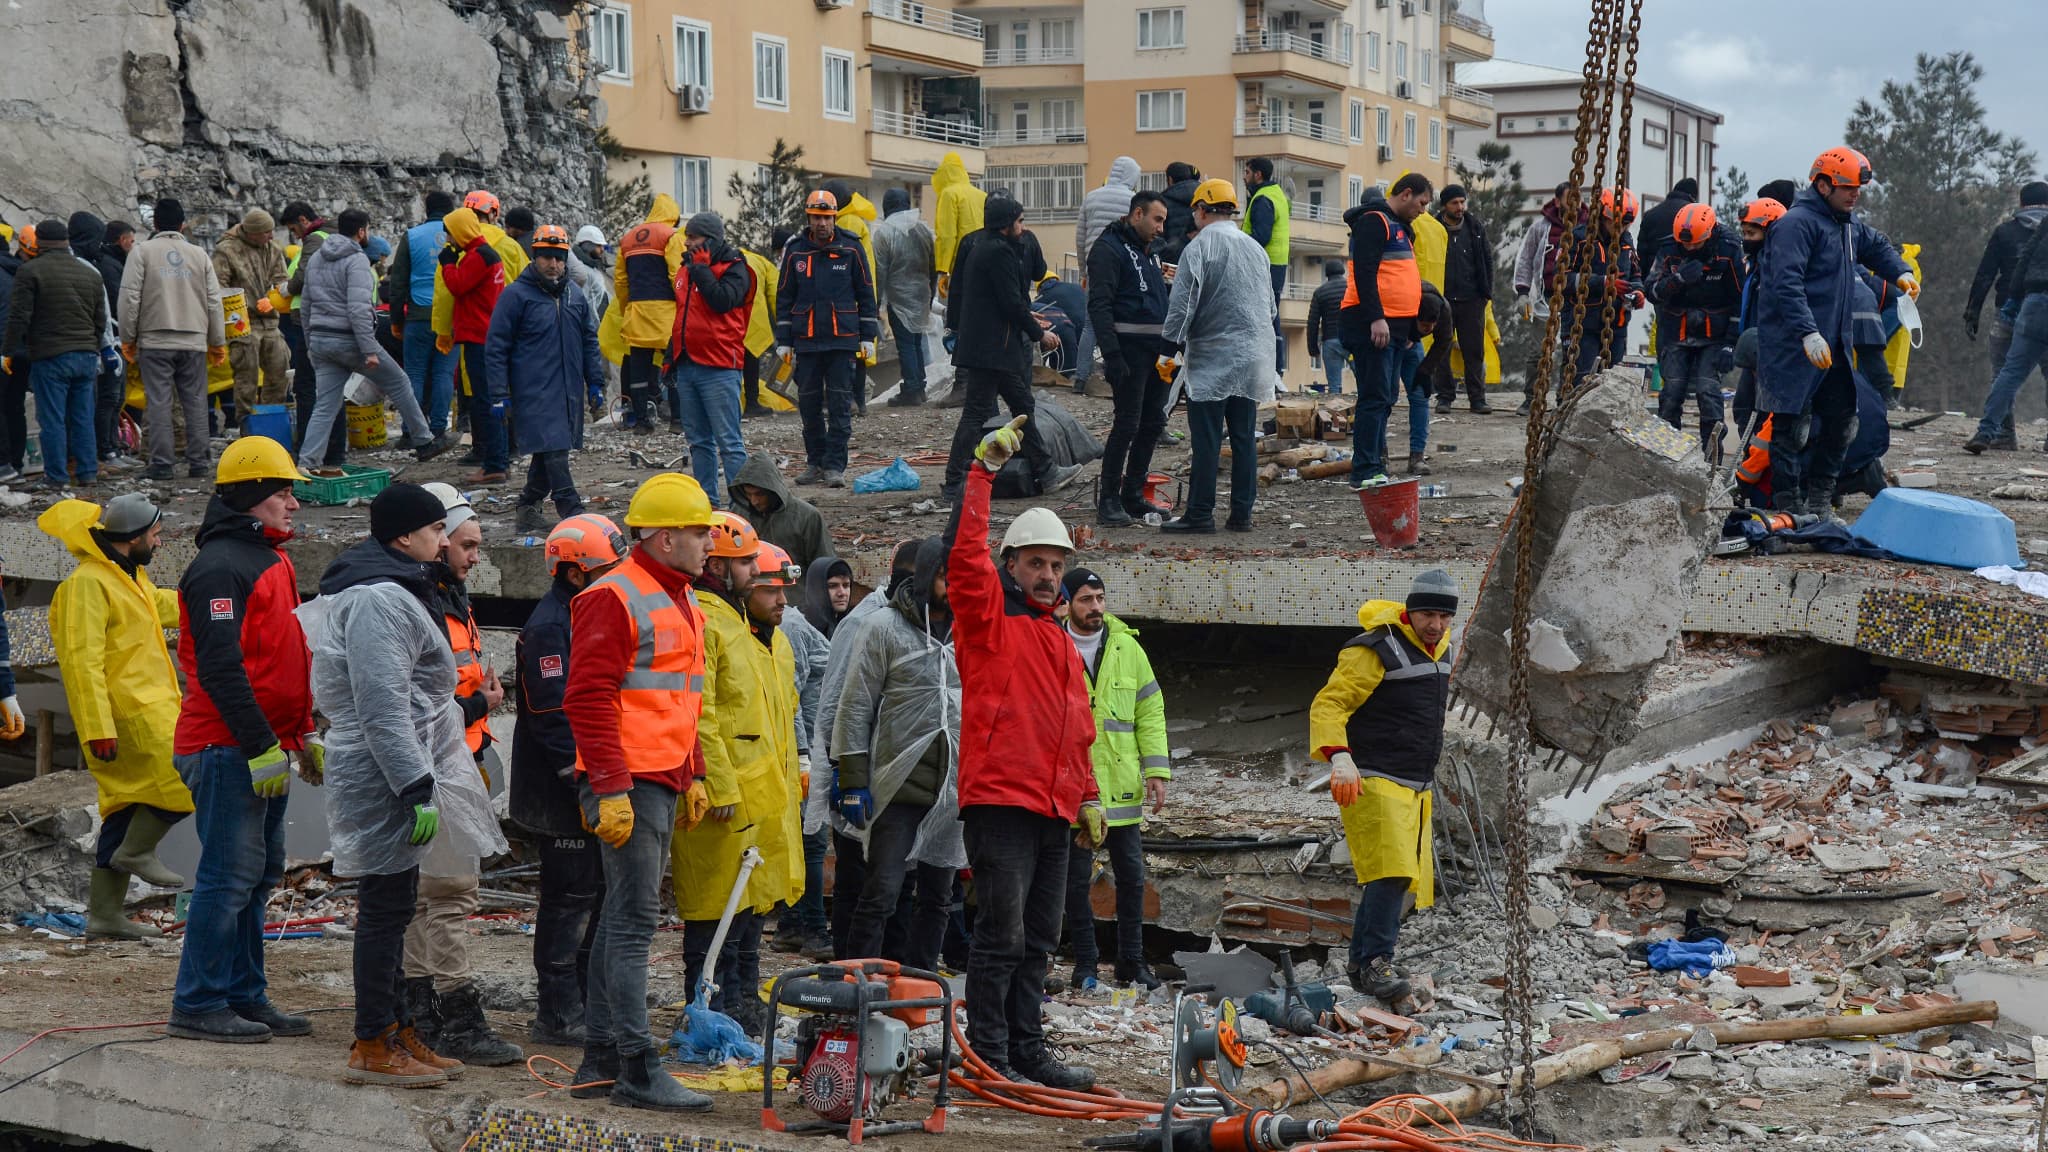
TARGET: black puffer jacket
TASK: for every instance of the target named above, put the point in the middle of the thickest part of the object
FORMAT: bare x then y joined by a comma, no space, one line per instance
1180,220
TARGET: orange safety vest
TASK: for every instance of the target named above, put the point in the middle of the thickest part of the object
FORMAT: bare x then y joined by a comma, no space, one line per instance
662,694
469,671
1756,463
643,252
1399,279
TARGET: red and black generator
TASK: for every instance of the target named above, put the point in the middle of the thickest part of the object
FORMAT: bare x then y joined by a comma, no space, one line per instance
854,1045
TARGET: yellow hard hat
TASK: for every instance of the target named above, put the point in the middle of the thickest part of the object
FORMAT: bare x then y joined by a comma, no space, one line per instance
255,458
670,500
1215,193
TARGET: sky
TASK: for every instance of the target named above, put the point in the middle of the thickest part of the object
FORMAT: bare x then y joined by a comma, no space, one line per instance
1786,73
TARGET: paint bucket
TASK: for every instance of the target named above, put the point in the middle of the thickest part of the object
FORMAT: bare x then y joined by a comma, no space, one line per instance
365,425
1394,510
234,310
272,420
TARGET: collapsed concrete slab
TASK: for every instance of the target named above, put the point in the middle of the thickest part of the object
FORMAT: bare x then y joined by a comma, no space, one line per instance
45,845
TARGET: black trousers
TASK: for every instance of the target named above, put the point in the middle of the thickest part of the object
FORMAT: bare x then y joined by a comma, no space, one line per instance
637,374
739,960
1140,398
1020,877
981,388
303,395
14,413
383,912
888,866
1468,333
750,381
565,924
1377,924
1828,425
1126,845
113,388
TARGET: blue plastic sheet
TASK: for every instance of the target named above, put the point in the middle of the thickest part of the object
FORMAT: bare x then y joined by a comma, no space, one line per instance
1693,957
711,1037
897,477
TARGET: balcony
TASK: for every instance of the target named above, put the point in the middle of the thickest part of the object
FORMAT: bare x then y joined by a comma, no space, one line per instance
1291,137
1031,68
930,39
1294,304
1467,105
909,143
1040,145
1465,39
1317,226
1318,62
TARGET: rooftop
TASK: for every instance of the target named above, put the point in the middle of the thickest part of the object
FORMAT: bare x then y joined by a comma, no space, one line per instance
1496,74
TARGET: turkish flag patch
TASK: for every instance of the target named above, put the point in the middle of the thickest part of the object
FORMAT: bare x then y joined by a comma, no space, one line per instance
222,609
550,666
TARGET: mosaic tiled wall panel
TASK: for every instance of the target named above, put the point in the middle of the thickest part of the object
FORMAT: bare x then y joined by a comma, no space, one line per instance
505,1129
1956,632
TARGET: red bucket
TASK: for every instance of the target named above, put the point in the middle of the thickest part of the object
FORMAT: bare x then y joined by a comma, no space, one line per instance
1394,510
1154,482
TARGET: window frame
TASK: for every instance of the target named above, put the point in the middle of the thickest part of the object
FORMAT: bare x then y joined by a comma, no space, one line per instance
1372,51
1400,60
597,19
1177,99
1354,191
1356,120
1408,133
1383,125
1149,17
684,24
781,45
1661,138
1073,30
827,56
682,165
1425,67
1436,138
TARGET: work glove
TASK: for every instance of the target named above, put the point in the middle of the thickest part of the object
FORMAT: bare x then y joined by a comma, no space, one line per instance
1166,366
696,802
1094,826
783,351
1817,354
594,397
1343,779
104,751
1910,285
269,773
487,254
1691,272
217,355
867,351
264,306
1970,324
12,722
997,447
110,360
449,255
1724,359
313,761
398,331
1528,309
129,353
443,343
855,806
614,819
7,365
426,820
949,342
945,287
497,410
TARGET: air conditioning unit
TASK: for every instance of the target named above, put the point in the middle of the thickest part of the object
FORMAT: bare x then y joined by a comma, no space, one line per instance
1404,90
828,5
1407,7
1386,153
693,100
1380,3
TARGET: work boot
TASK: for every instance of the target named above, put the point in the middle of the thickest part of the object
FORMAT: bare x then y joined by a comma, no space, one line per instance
467,1036
1192,527
385,1062
137,853
105,919
1976,444
220,1025
1057,477
1380,980
158,472
559,1017
594,1076
408,1038
1053,1074
755,411
832,478
1522,409
817,947
423,1008
1136,972
533,518
812,474
280,1023
1417,467
1238,524
2006,442
1086,978
644,1083
907,400
1136,504
434,447
1109,512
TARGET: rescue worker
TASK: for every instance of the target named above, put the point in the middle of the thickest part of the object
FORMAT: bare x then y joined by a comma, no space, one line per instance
1325,351
1266,221
1131,769
580,550
1757,217
2029,287
748,738
409,288
55,334
1182,179
250,260
171,329
714,304
767,606
541,359
896,745
1697,287
308,229
247,710
476,264
1995,279
825,316
1385,703
643,290
857,215
1025,776
760,330
1538,252
1804,374
903,287
107,623
1127,295
956,214
1611,271
1378,317
636,638
779,516
802,927
1468,288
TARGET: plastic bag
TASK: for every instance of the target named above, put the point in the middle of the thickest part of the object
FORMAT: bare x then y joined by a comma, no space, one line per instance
361,390
711,1037
897,477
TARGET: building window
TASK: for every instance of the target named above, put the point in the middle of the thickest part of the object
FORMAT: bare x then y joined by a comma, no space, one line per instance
1681,153
1400,59
1507,126
1656,135
1056,38
1063,121
1436,139
1020,39
1408,133
1428,67
1020,118
1165,110
611,42
1047,191
771,71
1372,51
1358,121
1162,28
838,84
1354,190
1382,125
1315,198
1541,122
693,184
693,53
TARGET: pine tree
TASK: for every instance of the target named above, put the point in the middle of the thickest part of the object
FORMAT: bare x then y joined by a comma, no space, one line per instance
773,199
1731,192
1495,194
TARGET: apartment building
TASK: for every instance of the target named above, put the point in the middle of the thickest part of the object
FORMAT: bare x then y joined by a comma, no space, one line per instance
1039,96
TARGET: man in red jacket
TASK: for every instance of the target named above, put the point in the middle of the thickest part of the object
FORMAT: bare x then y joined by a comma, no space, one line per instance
248,701
473,273
714,303
1026,778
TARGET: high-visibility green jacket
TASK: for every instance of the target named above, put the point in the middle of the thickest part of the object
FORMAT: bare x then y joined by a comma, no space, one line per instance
1130,724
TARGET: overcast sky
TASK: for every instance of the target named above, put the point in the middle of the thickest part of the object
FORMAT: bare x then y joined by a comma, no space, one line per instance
1785,73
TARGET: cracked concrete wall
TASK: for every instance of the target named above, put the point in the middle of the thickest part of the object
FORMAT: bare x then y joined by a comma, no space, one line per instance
231,104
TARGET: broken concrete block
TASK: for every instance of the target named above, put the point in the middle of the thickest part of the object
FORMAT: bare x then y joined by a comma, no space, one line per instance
1795,1079
1674,844
1850,858
1751,976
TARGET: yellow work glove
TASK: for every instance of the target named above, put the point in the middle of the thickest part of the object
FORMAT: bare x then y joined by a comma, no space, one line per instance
279,302
269,773
444,344
1094,826
997,447
696,802
1343,779
1910,285
614,819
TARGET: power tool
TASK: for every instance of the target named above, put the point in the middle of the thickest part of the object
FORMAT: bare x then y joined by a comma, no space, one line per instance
1255,1131
854,1041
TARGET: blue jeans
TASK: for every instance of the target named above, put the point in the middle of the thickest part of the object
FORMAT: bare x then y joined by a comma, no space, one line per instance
1418,391
1377,923
1207,420
615,1004
810,907
67,388
241,858
910,356
2029,346
1334,359
432,373
1378,372
1279,272
708,401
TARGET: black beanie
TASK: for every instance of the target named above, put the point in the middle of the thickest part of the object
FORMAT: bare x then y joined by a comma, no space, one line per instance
1451,192
169,216
246,494
403,508
1079,578
1000,211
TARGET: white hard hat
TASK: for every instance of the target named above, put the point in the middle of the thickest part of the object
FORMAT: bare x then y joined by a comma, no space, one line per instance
453,502
590,234
1037,526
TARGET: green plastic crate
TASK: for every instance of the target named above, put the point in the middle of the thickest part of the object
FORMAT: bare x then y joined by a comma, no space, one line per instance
357,483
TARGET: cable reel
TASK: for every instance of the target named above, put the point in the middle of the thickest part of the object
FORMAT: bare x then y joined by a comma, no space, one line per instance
1208,1050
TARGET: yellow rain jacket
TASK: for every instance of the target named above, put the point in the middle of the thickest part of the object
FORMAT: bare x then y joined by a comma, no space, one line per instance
956,209
108,629
1492,352
1899,348
1387,828
748,734
856,217
650,323
761,325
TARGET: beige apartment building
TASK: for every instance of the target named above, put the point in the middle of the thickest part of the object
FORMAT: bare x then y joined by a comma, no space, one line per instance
1039,96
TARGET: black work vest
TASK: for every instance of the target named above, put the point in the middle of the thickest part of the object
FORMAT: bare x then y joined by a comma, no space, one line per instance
1399,730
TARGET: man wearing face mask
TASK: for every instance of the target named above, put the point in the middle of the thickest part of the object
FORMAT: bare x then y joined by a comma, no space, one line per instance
541,358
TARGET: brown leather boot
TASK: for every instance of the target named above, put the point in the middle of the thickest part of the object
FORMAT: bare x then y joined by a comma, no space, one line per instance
408,1038
385,1062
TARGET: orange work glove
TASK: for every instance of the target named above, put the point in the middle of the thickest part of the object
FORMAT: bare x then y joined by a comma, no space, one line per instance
1343,779
217,355
444,344
128,353
264,305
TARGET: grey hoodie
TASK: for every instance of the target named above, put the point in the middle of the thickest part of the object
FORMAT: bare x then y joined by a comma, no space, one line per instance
1106,205
339,298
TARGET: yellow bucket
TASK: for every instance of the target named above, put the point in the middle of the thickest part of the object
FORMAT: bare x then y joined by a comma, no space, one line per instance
234,308
365,425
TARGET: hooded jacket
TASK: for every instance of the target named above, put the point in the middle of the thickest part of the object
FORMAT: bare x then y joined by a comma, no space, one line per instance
1221,311
540,354
644,277
252,269
1130,724
1127,292
956,209
1180,219
1325,305
817,598
1107,204
475,267
240,648
846,638
58,305
904,261
170,298
824,297
761,316
857,216
989,308
340,300
792,524
1376,236
1468,259
2001,255
88,235
1807,286
108,629
811,651
1393,725
714,304
10,264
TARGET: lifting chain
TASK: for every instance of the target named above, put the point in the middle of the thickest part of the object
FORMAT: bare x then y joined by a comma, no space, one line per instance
1611,42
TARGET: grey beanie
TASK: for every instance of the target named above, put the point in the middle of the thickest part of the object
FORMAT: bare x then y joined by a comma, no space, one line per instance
1433,591
127,516
708,225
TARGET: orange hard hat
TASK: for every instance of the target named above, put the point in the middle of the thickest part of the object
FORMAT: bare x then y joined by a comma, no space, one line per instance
551,236
1844,168
27,235
777,569
1628,202
821,203
588,541
1694,224
480,202
1762,212
733,538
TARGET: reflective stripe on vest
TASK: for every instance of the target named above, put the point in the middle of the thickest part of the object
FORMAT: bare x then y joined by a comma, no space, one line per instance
468,644
643,252
1150,762
1397,664
1119,726
1125,812
662,693
1756,463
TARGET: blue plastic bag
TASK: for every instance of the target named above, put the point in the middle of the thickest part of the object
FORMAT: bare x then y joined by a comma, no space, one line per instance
1694,958
897,477
712,1037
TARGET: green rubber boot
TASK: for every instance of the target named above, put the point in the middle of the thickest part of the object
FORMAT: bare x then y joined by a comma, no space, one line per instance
105,918
137,853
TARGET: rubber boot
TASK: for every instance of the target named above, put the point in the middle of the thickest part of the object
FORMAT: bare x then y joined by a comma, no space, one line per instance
105,919
137,853
467,1036
599,1070
644,1083
423,1008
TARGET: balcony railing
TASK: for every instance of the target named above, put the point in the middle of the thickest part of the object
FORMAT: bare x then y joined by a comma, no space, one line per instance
1266,124
1457,19
1000,139
1338,52
1299,291
1000,57
926,16
927,128
1320,213
1473,95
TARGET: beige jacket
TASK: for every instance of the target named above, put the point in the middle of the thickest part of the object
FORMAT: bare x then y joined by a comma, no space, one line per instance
254,270
170,298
